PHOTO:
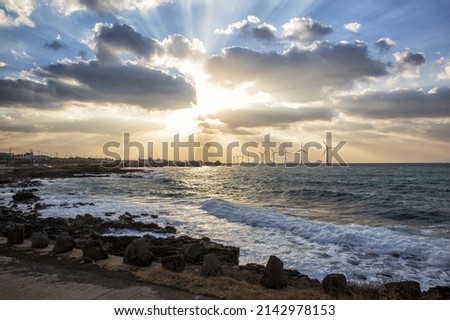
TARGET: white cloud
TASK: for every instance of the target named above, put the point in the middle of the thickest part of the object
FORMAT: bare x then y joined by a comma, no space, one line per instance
444,64
231,28
384,44
253,19
17,13
3,64
20,54
305,29
352,27
252,26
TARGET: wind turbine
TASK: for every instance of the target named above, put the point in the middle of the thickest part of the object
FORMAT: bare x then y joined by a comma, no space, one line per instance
326,151
262,154
273,155
285,156
301,153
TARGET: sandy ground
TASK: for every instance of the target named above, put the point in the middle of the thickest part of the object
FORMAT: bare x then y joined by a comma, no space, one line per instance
39,276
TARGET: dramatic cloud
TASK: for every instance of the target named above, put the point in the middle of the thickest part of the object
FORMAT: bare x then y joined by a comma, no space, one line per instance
3,64
16,13
352,27
400,104
89,81
305,29
406,58
385,44
112,39
296,75
263,116
252,26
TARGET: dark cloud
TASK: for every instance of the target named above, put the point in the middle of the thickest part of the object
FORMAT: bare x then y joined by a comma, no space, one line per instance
20,91
121,37
112,39
296,75
264,32
407,58
103,8
270,116
89,81
400,104
305,29
55,45
385,44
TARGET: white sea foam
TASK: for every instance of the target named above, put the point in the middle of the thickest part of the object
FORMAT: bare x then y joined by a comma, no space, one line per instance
356,249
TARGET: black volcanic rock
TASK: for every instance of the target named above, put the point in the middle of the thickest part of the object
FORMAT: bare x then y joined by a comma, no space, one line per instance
211,266
16,234
175,263
26,196
273,277
95,250
64,243
39,240
138,253
403,290
335,284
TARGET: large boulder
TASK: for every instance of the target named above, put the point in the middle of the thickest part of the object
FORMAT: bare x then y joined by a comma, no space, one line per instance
16,234
138,253
195,252
39,240
335,285
175,263
95,250
211,266
64,243
437,293
273,277
403,290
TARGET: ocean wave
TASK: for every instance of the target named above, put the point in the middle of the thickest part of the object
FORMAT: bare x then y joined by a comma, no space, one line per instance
361,239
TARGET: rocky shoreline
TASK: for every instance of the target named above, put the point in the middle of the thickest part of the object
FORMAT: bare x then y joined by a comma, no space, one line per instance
177,254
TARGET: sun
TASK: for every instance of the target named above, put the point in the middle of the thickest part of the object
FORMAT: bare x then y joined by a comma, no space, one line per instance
215,97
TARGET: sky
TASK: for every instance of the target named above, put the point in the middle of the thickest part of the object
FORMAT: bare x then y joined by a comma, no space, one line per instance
77,74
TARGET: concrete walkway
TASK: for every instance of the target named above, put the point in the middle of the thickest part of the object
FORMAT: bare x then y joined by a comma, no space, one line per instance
36,278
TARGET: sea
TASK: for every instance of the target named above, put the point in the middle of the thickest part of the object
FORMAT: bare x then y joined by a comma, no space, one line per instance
375,223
